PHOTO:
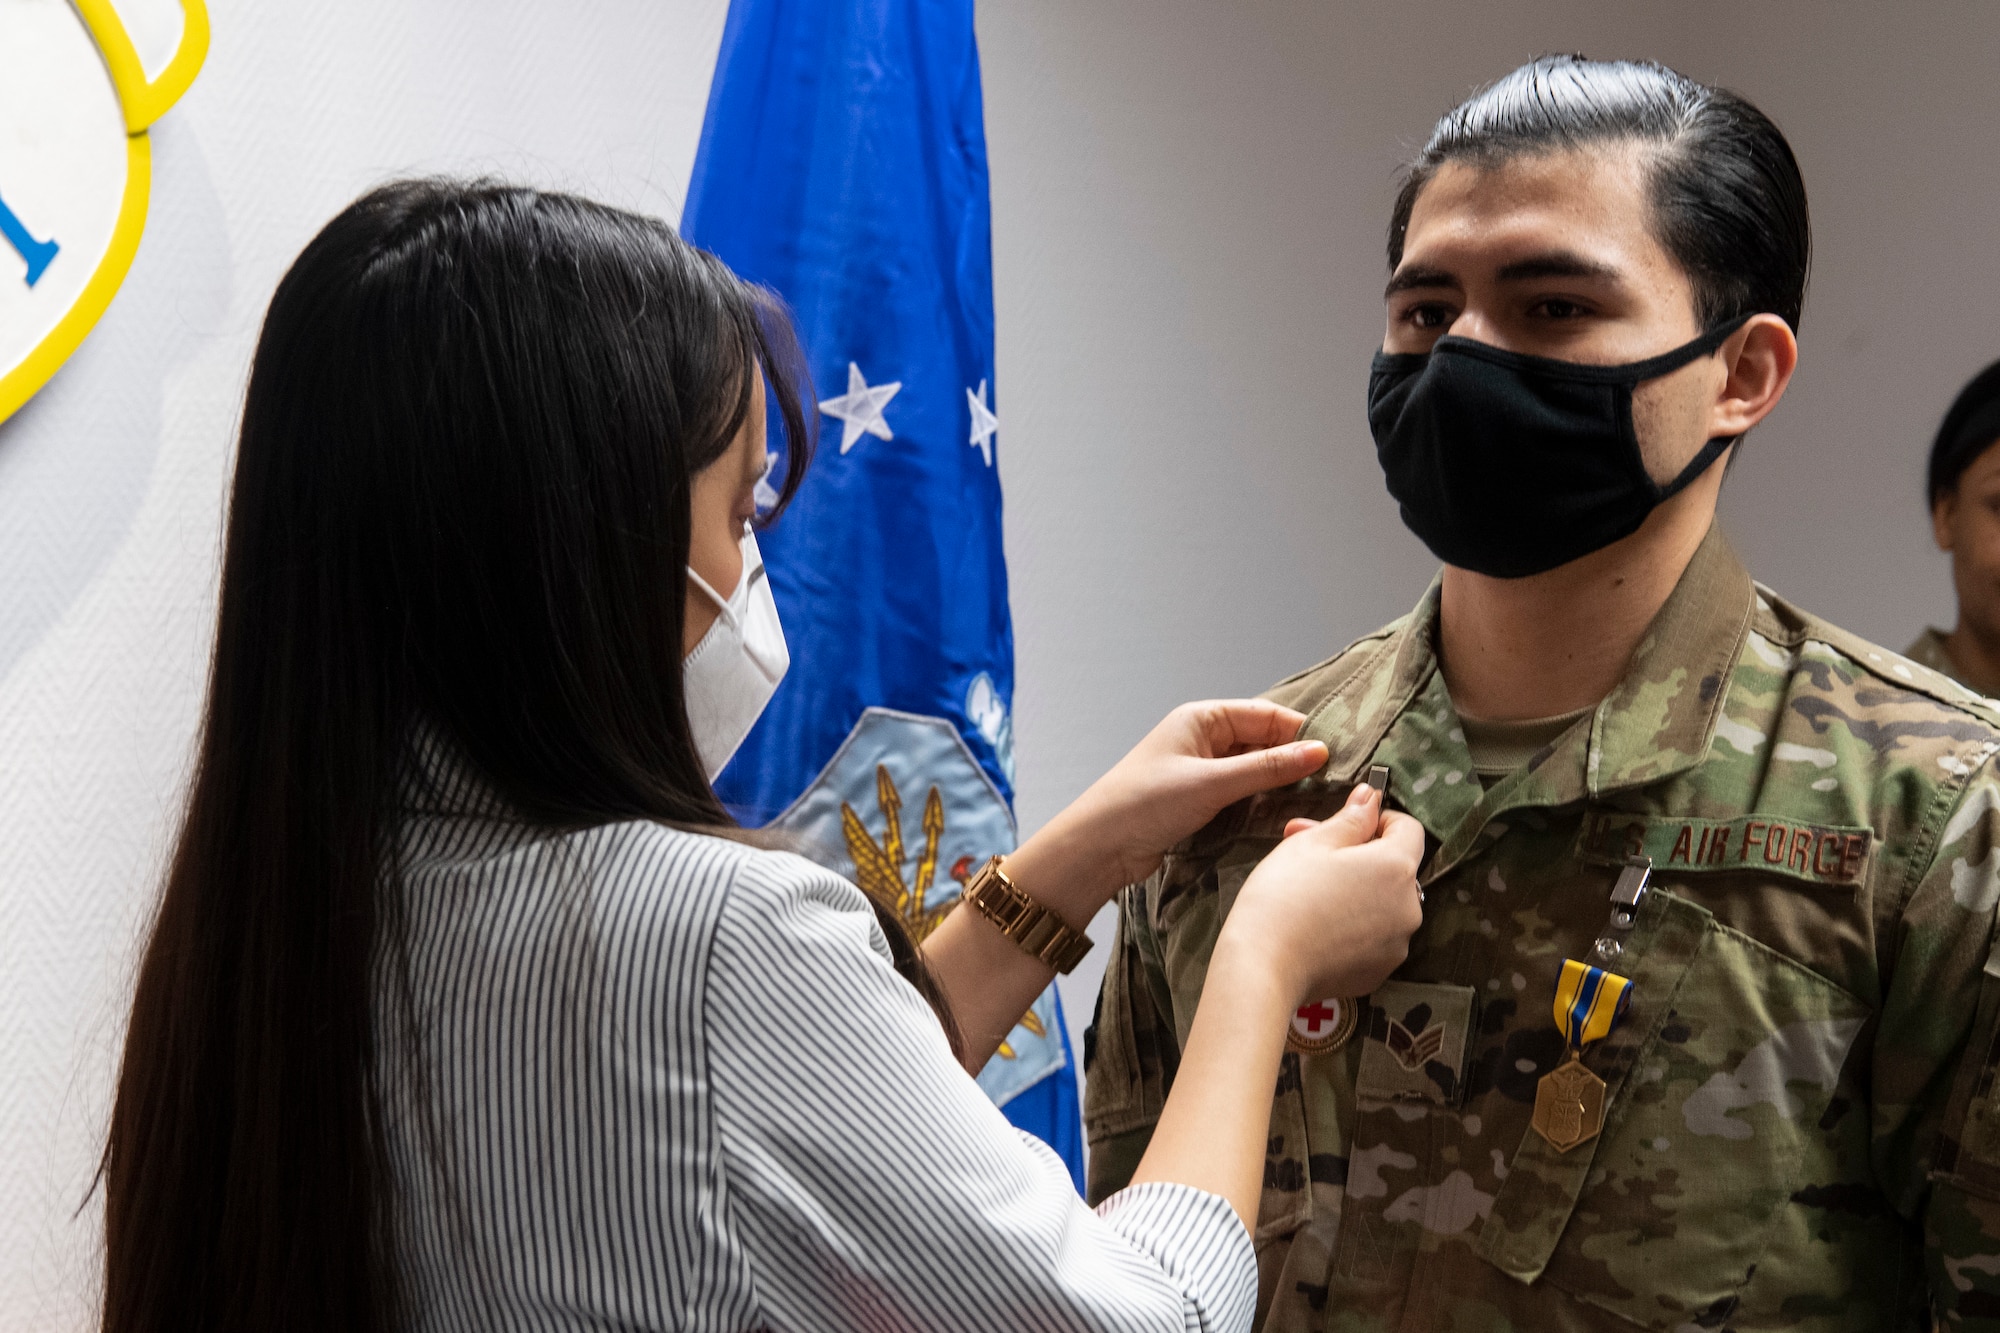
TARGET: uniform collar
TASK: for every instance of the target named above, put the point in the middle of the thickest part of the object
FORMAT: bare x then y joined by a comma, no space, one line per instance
1659,720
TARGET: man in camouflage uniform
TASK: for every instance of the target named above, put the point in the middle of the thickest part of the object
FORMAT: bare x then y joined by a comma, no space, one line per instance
1964,478
1802,1120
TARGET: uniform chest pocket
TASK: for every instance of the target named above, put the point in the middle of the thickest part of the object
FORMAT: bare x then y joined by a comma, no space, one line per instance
1715,1099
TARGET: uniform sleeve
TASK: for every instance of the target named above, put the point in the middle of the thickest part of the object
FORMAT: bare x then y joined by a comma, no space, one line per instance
1936,1100
869,1182
1131,1052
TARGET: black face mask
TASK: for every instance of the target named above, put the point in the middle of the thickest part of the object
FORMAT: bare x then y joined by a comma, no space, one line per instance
1510,465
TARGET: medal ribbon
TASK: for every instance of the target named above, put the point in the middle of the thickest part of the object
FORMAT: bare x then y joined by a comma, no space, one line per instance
1589,1002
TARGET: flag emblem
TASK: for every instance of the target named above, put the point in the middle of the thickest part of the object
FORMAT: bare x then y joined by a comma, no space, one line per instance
853,817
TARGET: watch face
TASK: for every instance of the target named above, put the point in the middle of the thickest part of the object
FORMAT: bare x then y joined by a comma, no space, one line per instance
1323,1025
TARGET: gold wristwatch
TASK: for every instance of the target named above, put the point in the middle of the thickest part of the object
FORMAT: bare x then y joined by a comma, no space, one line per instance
1038,931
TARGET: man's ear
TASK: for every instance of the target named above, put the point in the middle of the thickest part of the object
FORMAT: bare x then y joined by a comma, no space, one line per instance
1759,358
1943,510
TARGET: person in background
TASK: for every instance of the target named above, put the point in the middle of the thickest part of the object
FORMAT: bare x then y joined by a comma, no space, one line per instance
1965,520
466,1006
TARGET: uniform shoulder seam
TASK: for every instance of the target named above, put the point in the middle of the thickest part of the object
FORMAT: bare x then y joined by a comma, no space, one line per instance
1889,667
1324,677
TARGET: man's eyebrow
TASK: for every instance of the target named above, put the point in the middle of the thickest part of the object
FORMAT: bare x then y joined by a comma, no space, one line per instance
1556,264
1417,275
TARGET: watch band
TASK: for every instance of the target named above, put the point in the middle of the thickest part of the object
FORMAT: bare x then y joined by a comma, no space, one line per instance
1039,932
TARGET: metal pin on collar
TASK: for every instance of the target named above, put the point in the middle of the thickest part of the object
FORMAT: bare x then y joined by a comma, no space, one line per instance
1630,890
1378,778
1626,895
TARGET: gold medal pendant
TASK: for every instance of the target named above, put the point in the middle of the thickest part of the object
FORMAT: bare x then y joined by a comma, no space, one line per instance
1569,1105
1569,1101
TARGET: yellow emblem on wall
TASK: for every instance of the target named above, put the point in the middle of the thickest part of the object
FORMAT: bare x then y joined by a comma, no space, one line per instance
75,172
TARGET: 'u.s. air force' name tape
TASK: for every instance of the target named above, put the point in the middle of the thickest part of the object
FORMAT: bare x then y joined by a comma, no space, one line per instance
1815,853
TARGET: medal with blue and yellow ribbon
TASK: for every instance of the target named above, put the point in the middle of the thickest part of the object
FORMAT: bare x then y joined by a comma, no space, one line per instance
1569,1100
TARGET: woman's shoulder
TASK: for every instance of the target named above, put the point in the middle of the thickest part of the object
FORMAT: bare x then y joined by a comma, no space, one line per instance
737,878
711,854
724,907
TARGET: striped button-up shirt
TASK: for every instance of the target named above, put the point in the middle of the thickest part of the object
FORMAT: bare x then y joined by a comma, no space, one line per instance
636,1078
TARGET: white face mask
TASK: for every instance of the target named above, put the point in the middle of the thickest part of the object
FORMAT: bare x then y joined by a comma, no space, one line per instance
735,669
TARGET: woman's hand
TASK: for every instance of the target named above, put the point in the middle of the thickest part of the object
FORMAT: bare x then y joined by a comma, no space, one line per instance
1331,910
1203,757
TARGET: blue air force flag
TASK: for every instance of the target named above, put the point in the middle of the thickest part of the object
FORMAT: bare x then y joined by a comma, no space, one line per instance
843,163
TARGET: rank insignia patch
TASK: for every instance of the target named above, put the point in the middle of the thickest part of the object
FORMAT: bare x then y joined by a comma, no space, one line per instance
1414,1052
1417,1037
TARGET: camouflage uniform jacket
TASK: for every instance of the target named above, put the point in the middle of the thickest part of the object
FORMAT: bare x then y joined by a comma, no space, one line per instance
1803,1125
1929,650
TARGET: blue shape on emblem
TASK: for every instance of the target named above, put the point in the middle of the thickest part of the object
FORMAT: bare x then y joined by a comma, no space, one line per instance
37,253
907,811
987,711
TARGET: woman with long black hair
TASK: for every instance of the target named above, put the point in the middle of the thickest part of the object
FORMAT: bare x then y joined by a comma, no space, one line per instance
466,1007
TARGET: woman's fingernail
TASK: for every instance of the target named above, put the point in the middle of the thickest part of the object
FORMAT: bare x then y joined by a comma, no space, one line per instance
1362,791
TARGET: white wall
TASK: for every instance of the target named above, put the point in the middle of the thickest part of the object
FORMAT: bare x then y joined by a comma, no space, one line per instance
111,481
1189,199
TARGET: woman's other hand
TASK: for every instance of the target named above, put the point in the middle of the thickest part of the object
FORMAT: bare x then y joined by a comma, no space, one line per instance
1331,910
1201,758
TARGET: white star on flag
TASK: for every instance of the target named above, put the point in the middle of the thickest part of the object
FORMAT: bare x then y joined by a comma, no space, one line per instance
860,408
984,424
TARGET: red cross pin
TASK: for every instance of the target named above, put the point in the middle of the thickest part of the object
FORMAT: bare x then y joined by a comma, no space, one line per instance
1323,1025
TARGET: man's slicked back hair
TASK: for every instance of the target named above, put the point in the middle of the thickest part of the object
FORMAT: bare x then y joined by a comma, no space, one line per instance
1728,201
